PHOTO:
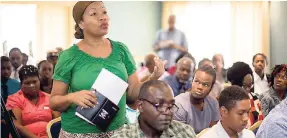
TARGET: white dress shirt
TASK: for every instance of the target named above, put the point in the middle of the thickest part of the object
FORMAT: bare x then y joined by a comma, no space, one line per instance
260,85
217,131
15,74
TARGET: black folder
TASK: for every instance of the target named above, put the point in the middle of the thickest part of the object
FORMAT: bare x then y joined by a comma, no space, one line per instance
101,115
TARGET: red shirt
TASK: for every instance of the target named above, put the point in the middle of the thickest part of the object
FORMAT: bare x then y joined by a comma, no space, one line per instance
34,117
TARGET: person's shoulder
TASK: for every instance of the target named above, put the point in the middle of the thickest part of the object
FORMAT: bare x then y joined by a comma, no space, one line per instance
18,96
119,45
44,93
210,100
178,124
246,133
161,31
266,96
69,51
125,131
208,133
183,97
13,81
168,78
182,129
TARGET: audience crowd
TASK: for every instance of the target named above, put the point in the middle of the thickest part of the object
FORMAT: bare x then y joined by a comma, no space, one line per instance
170,95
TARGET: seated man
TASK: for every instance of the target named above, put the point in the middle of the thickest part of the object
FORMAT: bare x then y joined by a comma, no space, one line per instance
156,106
275,124
218,86
150,64
180,81
132,112
234,106
9,86
196,108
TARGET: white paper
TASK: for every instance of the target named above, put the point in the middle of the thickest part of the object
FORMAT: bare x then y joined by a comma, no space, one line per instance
110,85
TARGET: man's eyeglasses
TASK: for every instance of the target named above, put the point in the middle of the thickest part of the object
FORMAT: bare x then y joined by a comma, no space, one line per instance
161,108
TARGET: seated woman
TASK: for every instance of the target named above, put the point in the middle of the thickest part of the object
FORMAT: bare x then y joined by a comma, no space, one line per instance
30,105
241,74
277,91
45,73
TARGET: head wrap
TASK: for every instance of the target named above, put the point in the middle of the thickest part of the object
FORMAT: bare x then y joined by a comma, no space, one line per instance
78,11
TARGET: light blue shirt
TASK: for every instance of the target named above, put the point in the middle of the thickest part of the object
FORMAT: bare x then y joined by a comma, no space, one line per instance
170,54
131,115
275,124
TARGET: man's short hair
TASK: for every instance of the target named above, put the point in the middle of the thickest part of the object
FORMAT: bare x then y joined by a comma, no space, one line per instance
203,60
230,95
151,83
5,59
14,49
209,70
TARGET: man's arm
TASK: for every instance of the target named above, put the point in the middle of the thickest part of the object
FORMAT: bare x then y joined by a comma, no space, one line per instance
183,47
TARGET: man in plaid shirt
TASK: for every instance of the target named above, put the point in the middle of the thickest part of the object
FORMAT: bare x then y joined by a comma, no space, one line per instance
156,105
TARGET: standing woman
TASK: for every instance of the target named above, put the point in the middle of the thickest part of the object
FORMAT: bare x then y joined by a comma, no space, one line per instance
80,65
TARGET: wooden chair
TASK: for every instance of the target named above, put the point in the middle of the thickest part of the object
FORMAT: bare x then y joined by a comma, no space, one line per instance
255,126
54,127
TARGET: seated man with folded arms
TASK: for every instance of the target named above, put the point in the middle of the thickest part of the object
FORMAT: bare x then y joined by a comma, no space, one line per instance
234,106
196,108
156,106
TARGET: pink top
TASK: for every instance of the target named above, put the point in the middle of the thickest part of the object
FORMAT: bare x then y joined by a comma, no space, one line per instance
34,117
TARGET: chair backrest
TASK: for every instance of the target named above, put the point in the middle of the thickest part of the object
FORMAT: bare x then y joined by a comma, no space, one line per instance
255,126
202,132
54,127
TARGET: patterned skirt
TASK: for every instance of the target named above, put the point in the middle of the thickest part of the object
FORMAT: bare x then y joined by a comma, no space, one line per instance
64,134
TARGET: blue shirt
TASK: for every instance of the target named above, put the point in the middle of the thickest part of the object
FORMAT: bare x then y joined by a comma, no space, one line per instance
12,87
275,124
131,115
176,86
170,54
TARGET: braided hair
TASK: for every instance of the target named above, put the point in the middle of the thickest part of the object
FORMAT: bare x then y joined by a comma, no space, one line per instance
277,69
28,71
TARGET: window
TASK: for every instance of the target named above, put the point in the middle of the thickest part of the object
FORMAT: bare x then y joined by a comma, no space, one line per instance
207,26
18,27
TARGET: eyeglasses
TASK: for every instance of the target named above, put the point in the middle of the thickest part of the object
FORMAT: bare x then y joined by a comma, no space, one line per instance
161,108
283,77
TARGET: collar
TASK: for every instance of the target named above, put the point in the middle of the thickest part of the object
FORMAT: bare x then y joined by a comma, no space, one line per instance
177,83
130,109
18,68
221,131
258,78
169,133
41,94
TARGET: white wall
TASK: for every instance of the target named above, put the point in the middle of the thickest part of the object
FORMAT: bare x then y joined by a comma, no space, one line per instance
135,24
278,32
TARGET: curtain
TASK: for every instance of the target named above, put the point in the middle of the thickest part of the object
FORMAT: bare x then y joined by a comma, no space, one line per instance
52,26
237,30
